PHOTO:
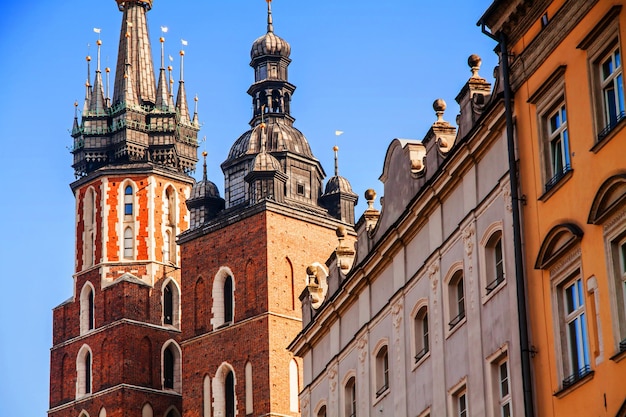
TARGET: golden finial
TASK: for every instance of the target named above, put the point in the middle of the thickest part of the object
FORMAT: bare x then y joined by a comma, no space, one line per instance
335,148
204,153
88,58
161,39
182,52
107,69
195,98
76,104
99,42
169,68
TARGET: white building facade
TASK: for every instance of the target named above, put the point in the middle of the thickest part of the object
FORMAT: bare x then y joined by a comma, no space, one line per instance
421,318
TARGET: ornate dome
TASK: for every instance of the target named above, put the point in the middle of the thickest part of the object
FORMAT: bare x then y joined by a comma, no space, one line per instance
338,184
270,44
281,136
204,189
265,162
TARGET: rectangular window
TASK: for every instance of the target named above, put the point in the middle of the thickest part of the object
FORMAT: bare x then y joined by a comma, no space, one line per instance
504,389
559,158
611,83
461,403
575,341
420,329
456,295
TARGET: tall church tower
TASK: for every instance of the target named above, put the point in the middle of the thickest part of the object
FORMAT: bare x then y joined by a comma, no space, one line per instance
116,342
244,265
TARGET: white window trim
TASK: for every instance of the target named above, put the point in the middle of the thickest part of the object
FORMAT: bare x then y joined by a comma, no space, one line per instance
343,404
177,365
126,221
378,392
219,388
454,393
176,307
81,383
84,308
484,253
421,304
451,307
218,305
614,232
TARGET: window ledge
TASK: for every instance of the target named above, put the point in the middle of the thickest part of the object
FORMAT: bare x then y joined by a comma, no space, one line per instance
566,176
457,326
607,137
621,353
488,295
584,379
380,394
420,359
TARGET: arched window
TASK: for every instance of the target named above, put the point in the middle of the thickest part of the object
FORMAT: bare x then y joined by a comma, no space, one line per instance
128,243
229,391
494,258
293,386
168,305
89,229
223,307
322,411
103,412
249,390
167,257
172,367
456,299
168,369
83,372
228,300
87,308
421,333
350,398
173,412
128,200
382,371
147,411
206,397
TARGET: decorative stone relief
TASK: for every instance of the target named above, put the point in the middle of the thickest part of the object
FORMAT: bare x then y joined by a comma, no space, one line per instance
433,271
468,235
396,314
304,405
468,240
565,262
332,377
506,193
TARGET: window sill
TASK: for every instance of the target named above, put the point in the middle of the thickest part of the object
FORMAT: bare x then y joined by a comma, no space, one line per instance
490,294
604,139
452,329
621,353
574,385
380,394
558,184
420,359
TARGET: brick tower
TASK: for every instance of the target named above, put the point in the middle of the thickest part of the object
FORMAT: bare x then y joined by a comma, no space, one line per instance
244,266
116,342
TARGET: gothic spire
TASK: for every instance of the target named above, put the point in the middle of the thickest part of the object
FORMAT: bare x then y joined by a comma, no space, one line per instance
97,104
135,53
162,99
87,88
181,98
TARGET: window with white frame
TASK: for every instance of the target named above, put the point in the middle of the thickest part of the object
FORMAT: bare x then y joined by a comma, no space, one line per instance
421,333
87,308
494,259
553,129
84,372
129,243
89,226
223,308
128,200
612,85
456,299
602,45
350,398
504,388
171,367
620,278
382,371
573,330
558,163
459,403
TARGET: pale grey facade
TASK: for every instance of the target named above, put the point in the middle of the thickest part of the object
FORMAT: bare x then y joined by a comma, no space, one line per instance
420,318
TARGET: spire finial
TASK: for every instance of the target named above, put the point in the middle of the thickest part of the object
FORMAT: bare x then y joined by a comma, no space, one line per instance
270,24
336,149
107,70
162,40
204,175
182,61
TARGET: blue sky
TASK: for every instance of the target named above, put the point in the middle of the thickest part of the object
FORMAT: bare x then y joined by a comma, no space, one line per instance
369,68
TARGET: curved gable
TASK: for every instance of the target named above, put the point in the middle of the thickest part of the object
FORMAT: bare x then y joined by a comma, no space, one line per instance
610,195
559,240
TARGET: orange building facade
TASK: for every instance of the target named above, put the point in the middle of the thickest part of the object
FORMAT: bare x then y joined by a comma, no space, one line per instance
566,75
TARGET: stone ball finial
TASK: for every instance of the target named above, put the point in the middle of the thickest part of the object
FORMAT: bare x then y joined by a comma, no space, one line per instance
439,105
370,194
474,62
340,231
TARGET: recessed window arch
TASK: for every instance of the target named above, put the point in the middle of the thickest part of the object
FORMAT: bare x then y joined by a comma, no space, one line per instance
103,412
172,412
206,396
455,290
171,366
147,410
492,244
225,397
349,397
294,386
321,412
129,200
84,374
249,389
169,225
421,331
382,369
89,220
171,302
83,413
129,243
223,298
87,308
